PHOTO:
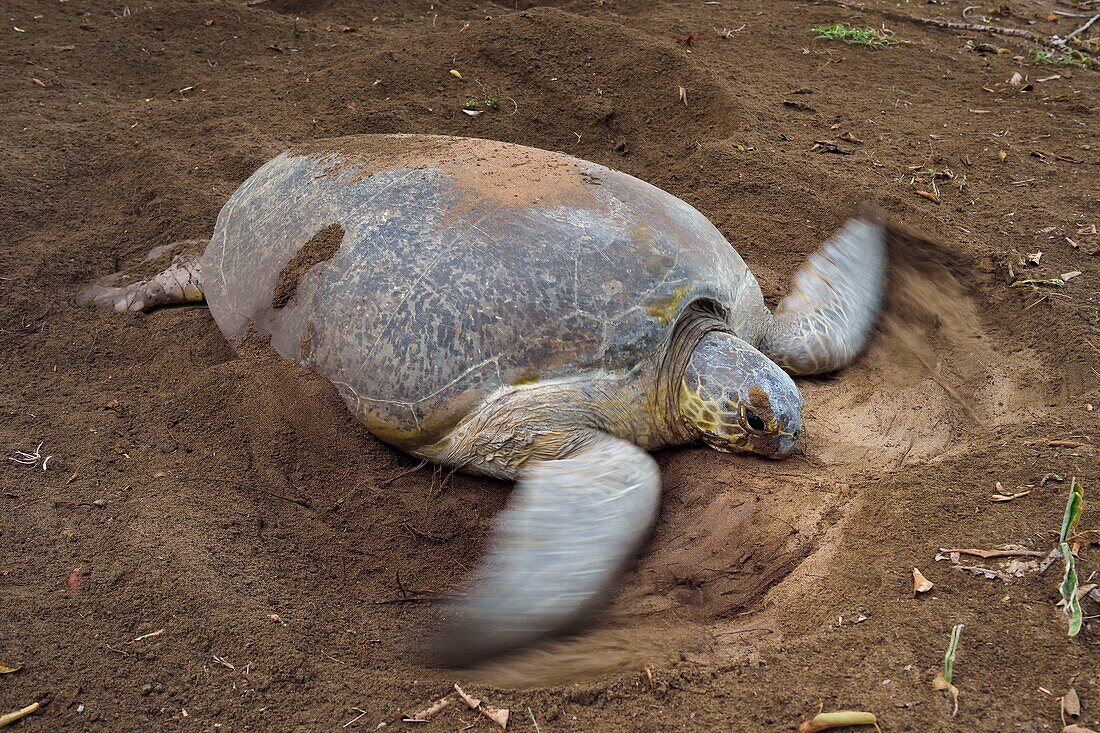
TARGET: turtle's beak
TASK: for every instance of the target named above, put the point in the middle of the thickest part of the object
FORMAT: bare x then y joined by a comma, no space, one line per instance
785,444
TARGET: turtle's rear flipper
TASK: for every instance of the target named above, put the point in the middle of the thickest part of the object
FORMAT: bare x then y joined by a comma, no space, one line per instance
824,322
177,284
570,530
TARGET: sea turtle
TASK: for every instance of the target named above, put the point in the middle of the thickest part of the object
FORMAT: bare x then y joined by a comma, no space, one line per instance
530,316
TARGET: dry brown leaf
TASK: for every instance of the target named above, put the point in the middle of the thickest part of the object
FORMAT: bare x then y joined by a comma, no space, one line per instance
473,112
498,716
429,712
1092,590
1017,79
1071,704
471,702
987,573
683,95
1002,155
921,584
5,669
933,197
1077,729
1033,258
941,684
74,577
1067,276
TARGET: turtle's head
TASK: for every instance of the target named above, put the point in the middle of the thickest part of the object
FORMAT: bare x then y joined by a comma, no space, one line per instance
734,398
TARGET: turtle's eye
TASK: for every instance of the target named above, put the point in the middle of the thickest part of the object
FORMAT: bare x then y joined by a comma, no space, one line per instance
754,420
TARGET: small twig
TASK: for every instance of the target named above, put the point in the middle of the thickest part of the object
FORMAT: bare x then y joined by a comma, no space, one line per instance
427,597
533,719
116,651
150,635
223,662
405,473
1083,28
9,718
426,535
413,596
361,712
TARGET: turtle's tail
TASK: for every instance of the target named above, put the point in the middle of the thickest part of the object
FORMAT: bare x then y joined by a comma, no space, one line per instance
177,284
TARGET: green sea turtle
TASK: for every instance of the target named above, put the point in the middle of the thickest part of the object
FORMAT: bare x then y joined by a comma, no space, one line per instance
529,316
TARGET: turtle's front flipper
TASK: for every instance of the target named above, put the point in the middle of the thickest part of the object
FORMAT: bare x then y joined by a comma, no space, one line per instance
570,530
825,320
177,284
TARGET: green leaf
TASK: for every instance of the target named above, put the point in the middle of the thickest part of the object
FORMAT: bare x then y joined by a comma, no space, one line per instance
949,657
1069,591
1074,506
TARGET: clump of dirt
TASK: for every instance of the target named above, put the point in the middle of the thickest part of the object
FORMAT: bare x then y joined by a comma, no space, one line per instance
292,561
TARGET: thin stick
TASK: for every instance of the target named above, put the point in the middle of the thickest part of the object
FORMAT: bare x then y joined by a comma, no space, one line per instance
361,711
1083,28
533,719
10,718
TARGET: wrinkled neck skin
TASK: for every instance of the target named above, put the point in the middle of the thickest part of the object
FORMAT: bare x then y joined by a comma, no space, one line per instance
548,420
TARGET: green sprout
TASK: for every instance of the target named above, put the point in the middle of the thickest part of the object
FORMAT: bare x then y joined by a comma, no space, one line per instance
1063,57
490,102
943,681
1072,515
949,657
855,36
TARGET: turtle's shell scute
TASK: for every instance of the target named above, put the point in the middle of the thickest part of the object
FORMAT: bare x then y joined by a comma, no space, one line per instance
465,265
